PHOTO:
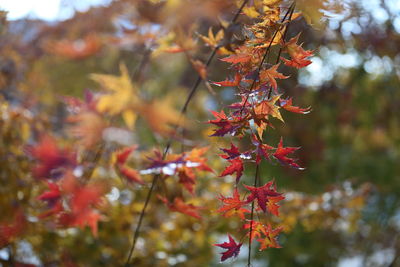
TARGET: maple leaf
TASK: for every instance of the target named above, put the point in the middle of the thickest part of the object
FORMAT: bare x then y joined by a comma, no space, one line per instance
52,160
159,165
188,179
268,108
122,95
230,83
84,197
232,247
193,160
76,49
297,53
287,104
212,40
232,152
51,196
123,154
255,229
270,75
233,205
262,150
90,219
272,207
130,174
270,240
180,206
237,58
160,115
226,126
236,166
281,155
56,208
251,12
263,110
87,127
196,156
242,105
262,194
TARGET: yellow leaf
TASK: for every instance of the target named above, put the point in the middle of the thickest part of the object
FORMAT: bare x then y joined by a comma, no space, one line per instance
160,115
121,92
266,108
130,118
251,12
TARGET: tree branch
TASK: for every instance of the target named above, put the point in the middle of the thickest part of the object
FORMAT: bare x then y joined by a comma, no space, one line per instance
182,112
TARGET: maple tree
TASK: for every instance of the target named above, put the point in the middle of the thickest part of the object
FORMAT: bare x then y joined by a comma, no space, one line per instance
112,155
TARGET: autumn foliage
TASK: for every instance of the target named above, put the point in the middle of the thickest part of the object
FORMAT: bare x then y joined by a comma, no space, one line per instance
134,161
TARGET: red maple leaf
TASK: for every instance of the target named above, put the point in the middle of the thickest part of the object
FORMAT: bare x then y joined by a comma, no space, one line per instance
297,53
56,208
242,106
130,174
168,166
262,194
236,166
232,247
262,150
180,206
123,154
287,104
52,160
194,160
281,155
85,197
237,58
187,178
232,152
52,195
90,219
226,126
230,83
233,205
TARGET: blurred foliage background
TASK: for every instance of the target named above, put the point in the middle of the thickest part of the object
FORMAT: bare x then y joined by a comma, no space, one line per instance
343,210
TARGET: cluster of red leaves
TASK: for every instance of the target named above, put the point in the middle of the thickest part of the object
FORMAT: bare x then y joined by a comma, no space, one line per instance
70,201
183,166
261,103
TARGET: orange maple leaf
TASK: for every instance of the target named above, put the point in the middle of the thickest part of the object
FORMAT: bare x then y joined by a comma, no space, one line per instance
232,205
270,75
297,53
270,239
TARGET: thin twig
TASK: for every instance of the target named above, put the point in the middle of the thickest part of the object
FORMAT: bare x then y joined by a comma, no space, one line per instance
283,37
252,216
182,112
